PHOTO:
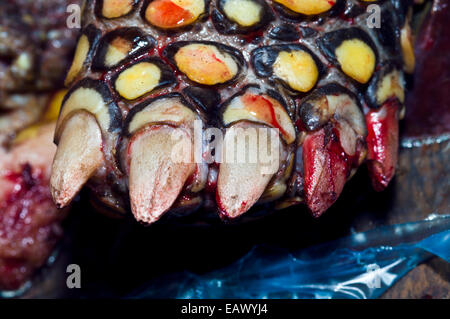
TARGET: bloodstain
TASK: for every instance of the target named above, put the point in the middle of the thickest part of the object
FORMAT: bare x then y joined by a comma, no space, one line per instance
167,14
382,143
326,168
29,226
254,36
263,109
221,208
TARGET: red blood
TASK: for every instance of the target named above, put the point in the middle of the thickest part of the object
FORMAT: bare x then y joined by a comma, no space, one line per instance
211,186
168,14
222,211
217,59
28,226
264,108
300,126
253,35
382,143
326,169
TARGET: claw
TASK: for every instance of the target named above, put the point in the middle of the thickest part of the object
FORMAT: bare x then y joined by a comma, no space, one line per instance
241,183
326,168
244,177
78,156
156,178
333,146
382,142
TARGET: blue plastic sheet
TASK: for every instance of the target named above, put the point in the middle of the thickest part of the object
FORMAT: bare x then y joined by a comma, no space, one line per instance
363,265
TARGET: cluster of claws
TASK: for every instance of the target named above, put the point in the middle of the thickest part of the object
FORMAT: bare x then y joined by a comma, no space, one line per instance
313,69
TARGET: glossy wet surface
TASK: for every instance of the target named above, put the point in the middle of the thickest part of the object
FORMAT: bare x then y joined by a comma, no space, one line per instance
117,256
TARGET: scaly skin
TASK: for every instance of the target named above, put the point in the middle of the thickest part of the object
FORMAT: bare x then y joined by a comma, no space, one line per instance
319,75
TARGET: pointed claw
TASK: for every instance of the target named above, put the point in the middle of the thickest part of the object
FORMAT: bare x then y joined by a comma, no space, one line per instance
326,170
78,156
156,177
334,144
241,183
382,142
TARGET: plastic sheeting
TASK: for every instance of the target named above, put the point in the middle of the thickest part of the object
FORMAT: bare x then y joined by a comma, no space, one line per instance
363,265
